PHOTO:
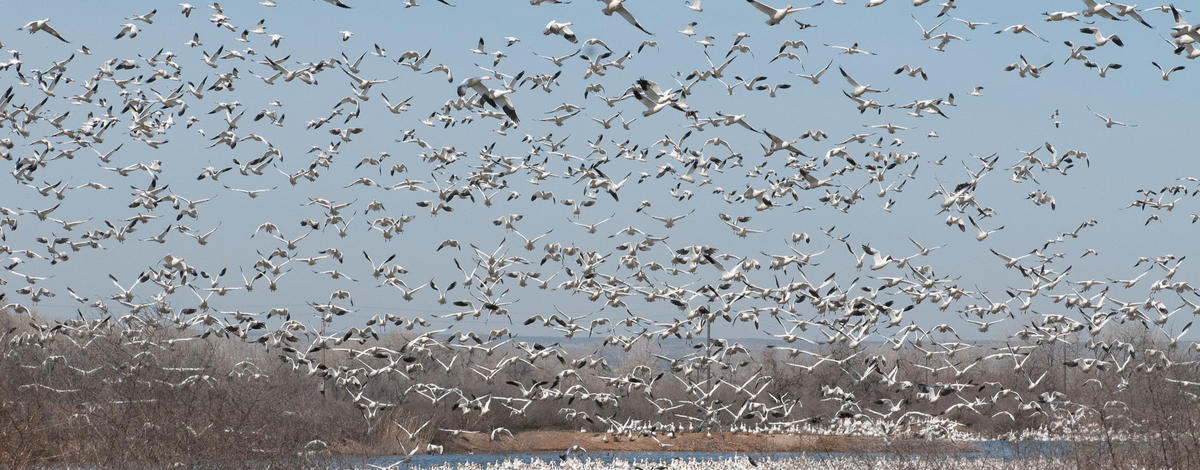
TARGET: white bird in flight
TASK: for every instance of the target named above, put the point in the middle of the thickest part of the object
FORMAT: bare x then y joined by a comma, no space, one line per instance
618,7
776,15
42,25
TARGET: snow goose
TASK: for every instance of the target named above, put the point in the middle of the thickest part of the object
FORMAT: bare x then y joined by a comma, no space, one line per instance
816,77
1166,74
971,24
618,7
1102,39
859,90
776,15
1021,28
1130,11
42,25
1102,70
561,29
1109,122
1100,9
912,71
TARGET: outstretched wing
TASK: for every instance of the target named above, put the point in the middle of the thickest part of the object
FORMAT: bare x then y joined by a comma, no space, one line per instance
762,7
629,17
848,78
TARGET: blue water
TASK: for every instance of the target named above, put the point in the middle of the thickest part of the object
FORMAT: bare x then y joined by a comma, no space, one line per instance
989,449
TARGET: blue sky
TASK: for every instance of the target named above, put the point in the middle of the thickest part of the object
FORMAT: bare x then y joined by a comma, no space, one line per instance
1013,114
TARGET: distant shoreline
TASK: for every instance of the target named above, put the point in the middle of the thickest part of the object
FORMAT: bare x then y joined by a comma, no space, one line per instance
557,442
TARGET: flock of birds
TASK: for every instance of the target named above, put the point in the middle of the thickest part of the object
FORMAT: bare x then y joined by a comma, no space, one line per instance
751,462
341,197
